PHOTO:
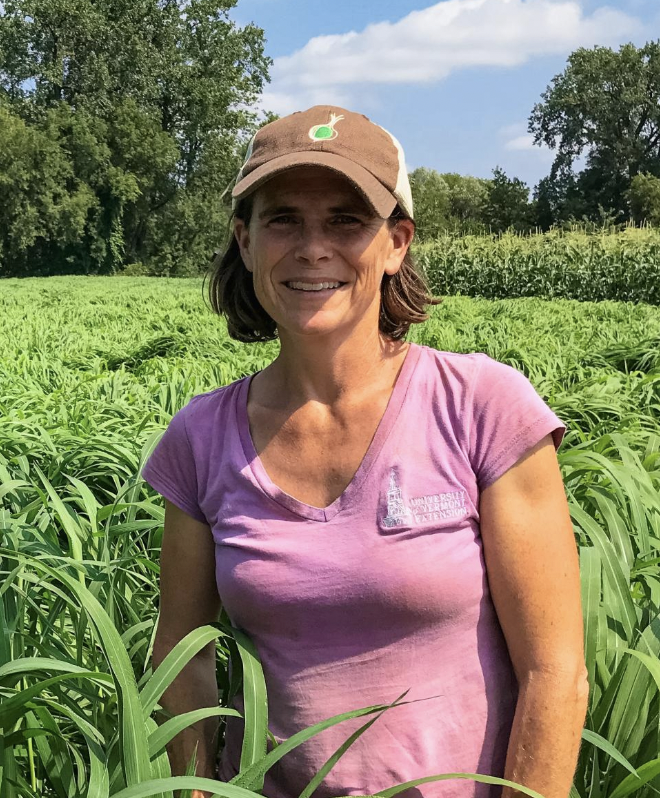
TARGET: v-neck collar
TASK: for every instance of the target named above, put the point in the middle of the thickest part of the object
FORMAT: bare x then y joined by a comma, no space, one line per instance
381,435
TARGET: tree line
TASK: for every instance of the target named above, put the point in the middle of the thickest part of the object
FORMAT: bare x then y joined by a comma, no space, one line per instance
454,204
605,105
122,126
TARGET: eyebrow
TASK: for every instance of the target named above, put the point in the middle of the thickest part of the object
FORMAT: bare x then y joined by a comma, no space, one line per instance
352,207
348,207
274,210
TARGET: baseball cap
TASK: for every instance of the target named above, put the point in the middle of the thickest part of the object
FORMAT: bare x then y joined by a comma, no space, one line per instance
341,140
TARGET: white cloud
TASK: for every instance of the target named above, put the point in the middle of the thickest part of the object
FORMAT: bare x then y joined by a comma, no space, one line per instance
517,139
283,102
428,45
521,143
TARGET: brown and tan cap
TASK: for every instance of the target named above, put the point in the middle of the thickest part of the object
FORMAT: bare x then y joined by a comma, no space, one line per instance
344,141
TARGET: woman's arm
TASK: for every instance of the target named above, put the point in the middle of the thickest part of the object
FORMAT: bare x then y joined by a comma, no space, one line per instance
533,572
188,599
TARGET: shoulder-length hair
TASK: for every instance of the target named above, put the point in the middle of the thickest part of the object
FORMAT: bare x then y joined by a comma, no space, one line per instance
404,295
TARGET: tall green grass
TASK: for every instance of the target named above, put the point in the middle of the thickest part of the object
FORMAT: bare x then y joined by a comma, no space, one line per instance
91,371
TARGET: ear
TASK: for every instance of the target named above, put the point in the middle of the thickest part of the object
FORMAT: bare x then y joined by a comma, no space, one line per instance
401,236
242,235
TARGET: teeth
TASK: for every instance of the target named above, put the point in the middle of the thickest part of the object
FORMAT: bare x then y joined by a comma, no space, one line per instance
312,286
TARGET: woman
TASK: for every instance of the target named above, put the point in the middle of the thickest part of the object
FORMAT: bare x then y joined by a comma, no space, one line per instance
378,516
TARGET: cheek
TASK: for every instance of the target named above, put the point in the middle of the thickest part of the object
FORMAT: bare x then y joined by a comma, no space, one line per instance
370,268
373,259
265,274
268,253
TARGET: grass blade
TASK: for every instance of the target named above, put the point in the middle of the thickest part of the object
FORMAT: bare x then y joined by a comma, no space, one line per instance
647,771
158,786
167,731
332,761
255,705
590,570
174,663
608,748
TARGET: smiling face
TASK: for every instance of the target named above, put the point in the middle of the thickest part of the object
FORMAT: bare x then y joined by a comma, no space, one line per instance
318,252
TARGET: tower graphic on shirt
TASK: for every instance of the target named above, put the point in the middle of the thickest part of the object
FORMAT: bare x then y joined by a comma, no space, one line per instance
397,511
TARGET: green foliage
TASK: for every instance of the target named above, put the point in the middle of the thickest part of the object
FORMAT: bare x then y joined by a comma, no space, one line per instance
134,118
559,201
447,202
606,103
453,203
507,205
623,266
92,375
644,198
431,202
40,199
467,197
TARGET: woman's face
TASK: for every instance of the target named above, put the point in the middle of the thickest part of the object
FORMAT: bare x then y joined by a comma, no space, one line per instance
318,252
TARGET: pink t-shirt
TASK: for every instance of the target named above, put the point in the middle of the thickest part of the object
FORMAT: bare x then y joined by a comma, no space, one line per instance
382,591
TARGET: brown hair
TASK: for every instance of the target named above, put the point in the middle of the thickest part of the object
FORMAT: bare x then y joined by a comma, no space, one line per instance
404,295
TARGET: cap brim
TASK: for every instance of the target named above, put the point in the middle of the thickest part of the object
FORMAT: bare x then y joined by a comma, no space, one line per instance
374,192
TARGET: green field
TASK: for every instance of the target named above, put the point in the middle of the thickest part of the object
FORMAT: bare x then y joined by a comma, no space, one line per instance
91,371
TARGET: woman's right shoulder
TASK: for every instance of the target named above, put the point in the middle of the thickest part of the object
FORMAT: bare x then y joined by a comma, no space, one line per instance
208,415
221,396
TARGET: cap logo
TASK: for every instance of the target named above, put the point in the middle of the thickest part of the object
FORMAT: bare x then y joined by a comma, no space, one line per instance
325,132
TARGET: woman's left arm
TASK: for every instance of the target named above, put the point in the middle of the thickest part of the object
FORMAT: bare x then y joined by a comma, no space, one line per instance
533,573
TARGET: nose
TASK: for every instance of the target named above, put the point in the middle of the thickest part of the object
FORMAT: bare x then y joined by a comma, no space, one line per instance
312,245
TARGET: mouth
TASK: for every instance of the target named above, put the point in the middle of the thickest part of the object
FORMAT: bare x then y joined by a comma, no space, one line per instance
324,287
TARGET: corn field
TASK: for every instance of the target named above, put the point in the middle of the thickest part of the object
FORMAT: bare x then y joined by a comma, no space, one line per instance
91,371
590,267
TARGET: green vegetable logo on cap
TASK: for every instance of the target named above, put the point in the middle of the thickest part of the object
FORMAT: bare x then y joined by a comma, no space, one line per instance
325,132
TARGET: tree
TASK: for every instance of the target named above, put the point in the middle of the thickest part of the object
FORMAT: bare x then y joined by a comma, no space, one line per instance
467,197
431,202
644,199
508,204
38,207
606,103
153,100
447,202
558,201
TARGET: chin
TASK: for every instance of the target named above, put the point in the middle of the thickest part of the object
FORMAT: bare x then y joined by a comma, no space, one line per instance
311,327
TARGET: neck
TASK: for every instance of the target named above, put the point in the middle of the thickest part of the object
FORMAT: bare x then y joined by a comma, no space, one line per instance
329,369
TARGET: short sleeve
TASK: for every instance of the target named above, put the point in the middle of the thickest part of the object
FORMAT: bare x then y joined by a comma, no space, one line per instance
170,469
507,418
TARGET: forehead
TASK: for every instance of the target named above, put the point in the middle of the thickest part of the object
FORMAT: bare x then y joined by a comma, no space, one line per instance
310,184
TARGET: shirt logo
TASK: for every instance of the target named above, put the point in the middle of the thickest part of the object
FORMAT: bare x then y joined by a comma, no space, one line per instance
421,509
325,132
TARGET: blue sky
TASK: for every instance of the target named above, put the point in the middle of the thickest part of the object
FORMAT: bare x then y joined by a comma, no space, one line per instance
454,81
